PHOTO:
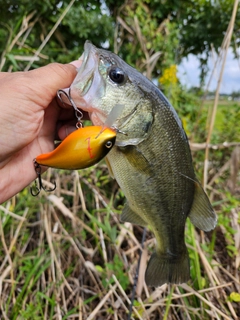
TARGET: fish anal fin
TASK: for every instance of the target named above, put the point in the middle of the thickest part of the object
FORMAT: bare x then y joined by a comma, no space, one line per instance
163,268
128,215
202,214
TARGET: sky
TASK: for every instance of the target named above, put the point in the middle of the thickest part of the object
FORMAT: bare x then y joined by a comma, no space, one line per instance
188,73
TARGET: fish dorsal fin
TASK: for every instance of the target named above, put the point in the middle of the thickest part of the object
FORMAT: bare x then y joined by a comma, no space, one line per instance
202,214
128,215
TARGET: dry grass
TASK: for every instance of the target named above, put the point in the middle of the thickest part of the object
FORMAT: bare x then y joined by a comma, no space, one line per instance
66,256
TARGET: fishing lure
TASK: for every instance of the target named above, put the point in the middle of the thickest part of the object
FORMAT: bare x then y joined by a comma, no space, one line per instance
80,149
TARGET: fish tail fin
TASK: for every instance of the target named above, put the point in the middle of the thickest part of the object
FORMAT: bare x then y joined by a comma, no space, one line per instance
163,268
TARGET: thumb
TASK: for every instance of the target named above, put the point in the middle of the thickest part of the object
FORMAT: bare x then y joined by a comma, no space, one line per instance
49,79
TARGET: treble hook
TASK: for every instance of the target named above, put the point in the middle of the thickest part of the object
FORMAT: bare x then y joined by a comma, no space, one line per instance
38,171
78,113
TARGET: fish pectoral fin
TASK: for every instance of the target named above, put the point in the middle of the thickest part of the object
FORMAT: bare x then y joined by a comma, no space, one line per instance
136,158
109,168
202,214
163,268
128,215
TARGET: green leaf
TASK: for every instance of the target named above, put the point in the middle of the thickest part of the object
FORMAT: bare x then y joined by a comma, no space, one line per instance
234,296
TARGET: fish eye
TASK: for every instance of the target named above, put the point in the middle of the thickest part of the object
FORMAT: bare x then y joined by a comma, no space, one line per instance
108,144
117,75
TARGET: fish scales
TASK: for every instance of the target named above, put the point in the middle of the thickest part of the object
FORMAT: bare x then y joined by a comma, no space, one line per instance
151,159
163,200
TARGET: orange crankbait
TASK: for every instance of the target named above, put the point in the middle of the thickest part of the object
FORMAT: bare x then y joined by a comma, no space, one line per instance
81,149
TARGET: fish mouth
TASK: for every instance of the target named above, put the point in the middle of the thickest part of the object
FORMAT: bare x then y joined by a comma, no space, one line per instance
88,86
85,75
86,95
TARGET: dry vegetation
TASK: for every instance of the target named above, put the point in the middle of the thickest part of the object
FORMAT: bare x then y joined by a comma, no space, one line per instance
65,255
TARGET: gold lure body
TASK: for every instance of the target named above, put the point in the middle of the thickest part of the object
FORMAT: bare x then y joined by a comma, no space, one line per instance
81,149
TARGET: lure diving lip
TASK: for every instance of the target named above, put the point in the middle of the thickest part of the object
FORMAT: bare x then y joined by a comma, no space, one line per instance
81,149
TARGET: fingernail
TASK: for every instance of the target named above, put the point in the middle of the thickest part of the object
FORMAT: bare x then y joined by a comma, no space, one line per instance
76,63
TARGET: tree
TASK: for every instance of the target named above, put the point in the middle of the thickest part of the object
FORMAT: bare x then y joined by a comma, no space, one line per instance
181,27
151,35
25,24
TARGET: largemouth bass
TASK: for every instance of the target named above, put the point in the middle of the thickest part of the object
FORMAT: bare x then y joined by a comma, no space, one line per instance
151,159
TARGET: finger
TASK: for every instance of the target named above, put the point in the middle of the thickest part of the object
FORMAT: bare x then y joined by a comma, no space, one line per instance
76,63
50,79
65,130
63,99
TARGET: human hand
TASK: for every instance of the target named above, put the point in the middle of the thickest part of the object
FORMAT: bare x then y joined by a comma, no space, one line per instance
30,119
